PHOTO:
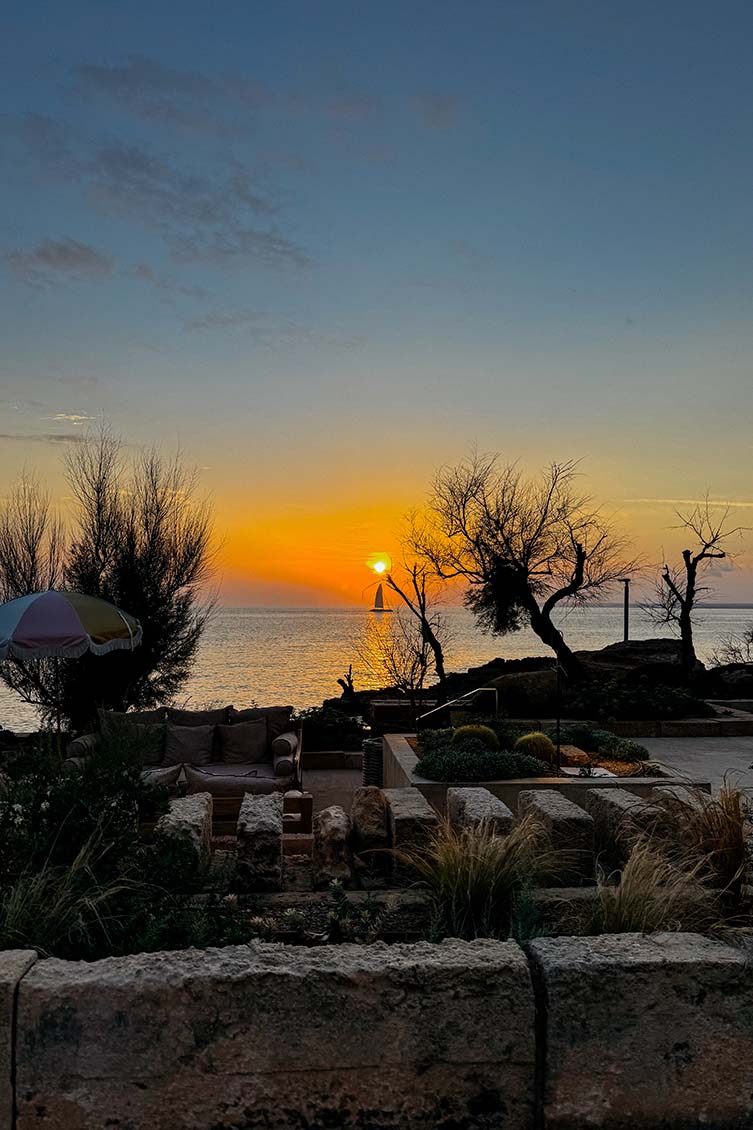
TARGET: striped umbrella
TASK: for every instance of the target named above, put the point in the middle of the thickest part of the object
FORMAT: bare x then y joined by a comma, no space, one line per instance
64,625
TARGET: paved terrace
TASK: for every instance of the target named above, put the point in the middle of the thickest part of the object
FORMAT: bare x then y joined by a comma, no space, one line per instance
709,759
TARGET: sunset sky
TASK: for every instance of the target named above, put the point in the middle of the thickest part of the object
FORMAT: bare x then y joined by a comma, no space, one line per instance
327,246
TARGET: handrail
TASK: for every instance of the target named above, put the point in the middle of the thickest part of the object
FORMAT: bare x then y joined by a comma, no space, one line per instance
420,721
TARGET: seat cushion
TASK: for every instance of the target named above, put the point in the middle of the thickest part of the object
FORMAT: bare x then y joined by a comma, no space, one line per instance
244,743
163,775
283,753
197,717
189,745
234,780
278,718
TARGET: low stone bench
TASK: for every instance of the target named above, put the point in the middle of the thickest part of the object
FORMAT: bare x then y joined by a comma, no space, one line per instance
467,808
678,796
570,829
332,858
645,1031
619,818
259,832
188,823
410,819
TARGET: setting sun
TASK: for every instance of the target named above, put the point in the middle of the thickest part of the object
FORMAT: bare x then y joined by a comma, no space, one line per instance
379,563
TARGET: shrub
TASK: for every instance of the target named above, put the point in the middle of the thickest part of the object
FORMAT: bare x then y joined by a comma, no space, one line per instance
473,761
592,739
619,749
484,734
326,727
473,875
537,745
611,699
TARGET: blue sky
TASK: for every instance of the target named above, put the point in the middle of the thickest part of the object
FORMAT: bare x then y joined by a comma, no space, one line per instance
306,237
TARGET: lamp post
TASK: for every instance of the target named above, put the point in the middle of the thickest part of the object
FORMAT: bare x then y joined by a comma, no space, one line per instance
626,609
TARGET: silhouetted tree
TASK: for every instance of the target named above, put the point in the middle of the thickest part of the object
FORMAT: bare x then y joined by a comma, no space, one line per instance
138,537
679,588
412,582
522,546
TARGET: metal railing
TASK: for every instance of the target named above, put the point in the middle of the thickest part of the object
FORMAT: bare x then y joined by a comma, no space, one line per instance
468,699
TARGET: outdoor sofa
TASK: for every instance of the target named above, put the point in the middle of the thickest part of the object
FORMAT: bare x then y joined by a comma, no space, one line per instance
225,752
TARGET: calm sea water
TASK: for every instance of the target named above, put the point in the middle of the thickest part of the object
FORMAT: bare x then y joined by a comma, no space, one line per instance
296,655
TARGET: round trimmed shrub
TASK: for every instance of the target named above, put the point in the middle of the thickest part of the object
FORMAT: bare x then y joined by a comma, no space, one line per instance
483,734
537,745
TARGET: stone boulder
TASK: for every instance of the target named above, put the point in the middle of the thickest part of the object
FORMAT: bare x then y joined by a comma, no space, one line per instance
332,857
188,822
368,815
732,680
259,833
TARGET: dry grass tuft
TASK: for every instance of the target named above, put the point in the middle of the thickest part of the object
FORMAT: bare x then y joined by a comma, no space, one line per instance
473,874
653,894
709,837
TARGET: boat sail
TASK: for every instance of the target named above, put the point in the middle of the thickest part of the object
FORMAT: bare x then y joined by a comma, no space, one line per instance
379,601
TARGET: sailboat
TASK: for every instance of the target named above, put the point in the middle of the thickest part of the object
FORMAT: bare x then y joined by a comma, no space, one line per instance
379,601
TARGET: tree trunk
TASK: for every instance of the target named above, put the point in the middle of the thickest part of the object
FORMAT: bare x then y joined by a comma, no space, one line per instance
685,618
551,636
437,652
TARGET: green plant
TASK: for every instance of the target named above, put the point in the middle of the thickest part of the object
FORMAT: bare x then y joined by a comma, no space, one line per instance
362,923
473,875
473,761
484,734
610,699
326,727
537,745
65,911
618,748
652,894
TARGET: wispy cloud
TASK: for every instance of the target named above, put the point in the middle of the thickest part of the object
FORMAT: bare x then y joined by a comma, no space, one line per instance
713,502
55,260
215,212
267,331
73,418
43,437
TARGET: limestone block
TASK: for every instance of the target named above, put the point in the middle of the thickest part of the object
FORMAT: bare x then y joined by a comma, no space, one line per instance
619,817
565,910
368,815
332,858
679,797
401,1037
14,965
645,1032
570,829
466,808
259,833
189,821
410,818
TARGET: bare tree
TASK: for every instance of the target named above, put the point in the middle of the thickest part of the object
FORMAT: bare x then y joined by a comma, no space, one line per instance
735,649
413,583
522,546
679,588
394,651
140,538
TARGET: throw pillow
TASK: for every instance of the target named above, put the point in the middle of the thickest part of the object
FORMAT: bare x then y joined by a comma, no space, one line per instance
189,745
244,743
197,717
278,718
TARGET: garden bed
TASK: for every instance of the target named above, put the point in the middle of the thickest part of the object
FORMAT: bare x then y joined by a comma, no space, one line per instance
400,761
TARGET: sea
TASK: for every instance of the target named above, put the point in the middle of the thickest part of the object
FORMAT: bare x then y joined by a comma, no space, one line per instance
296,655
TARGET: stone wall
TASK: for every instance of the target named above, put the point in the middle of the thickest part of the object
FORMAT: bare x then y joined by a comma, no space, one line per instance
621,1031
